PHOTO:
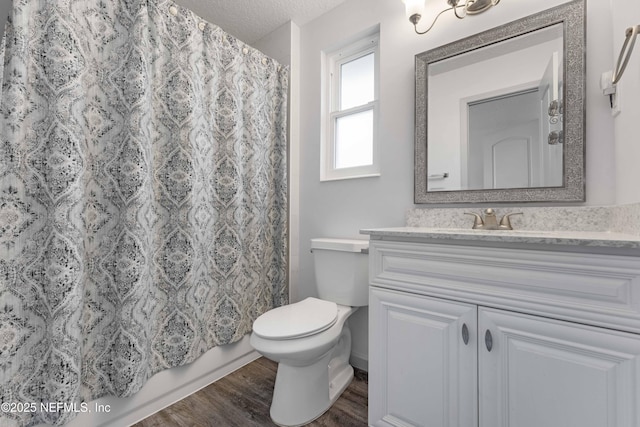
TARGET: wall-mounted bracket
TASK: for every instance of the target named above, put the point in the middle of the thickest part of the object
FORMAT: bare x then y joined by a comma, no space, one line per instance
609,79
610,89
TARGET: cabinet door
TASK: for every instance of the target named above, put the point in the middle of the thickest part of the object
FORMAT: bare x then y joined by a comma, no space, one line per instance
544,372
421,371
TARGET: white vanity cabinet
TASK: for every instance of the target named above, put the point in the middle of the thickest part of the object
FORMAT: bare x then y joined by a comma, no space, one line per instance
420,371
545,372
502,335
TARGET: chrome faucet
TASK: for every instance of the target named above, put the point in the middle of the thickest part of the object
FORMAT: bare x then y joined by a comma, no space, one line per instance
490,221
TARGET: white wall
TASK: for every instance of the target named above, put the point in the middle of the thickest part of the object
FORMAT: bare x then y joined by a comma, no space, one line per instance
283,45
627,131
341,208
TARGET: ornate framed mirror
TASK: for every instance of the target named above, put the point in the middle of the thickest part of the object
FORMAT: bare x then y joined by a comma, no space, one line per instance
500,115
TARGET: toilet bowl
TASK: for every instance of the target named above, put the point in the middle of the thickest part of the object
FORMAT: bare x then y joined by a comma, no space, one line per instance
311,340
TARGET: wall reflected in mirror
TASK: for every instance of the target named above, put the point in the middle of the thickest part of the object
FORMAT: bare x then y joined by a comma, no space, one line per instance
496,115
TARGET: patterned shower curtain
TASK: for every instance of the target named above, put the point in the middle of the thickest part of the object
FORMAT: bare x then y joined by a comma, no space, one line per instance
143,199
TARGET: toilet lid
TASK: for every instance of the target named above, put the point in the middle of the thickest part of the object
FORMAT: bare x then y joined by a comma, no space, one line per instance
301,319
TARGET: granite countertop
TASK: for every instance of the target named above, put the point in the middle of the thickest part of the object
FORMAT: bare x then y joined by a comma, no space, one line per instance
601,239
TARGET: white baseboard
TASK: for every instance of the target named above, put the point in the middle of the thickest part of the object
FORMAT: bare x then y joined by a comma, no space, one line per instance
359,361
167,387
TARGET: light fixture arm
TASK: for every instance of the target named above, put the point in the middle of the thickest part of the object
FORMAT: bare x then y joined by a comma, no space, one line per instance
469,7
454,4
416,17
630,39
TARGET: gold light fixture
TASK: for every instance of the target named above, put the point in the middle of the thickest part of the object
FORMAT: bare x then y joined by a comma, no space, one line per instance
461,8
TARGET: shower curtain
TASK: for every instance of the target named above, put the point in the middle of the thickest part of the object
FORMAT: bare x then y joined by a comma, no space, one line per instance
143,199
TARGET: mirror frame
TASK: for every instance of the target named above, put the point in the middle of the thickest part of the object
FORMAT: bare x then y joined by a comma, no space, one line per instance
572,16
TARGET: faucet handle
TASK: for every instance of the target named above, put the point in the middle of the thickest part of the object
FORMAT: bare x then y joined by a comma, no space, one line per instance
505,222
477,222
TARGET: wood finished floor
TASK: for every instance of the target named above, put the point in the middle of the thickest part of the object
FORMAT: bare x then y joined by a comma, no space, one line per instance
243,399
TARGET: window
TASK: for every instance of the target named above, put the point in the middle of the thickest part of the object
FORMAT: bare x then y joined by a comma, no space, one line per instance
349,142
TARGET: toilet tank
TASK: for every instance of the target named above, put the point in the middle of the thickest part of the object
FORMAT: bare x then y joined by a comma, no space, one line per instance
341,270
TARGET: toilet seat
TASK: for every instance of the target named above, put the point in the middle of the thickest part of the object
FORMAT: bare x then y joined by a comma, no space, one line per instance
301,319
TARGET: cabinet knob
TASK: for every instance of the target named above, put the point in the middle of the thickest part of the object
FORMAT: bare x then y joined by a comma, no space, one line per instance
488,340
465,334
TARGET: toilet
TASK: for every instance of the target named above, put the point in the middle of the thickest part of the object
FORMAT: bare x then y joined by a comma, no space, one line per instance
310,339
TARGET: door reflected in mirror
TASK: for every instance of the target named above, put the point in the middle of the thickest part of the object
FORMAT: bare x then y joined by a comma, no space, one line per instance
506,99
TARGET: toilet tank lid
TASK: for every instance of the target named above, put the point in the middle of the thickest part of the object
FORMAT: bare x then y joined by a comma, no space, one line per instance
345,245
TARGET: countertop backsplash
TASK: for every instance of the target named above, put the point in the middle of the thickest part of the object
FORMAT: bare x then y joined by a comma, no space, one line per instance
619,219
626,219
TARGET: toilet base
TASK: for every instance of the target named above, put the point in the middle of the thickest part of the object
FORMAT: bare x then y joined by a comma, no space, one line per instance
303,393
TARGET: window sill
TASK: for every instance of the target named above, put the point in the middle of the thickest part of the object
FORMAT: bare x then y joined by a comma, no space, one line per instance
338,178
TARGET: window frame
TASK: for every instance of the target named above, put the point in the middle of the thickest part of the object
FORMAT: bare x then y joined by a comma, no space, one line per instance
332,79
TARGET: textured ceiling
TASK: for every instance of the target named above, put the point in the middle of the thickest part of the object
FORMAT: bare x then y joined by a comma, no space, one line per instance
250,20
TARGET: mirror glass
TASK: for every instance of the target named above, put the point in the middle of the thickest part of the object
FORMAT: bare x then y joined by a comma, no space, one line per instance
501,99
491,122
